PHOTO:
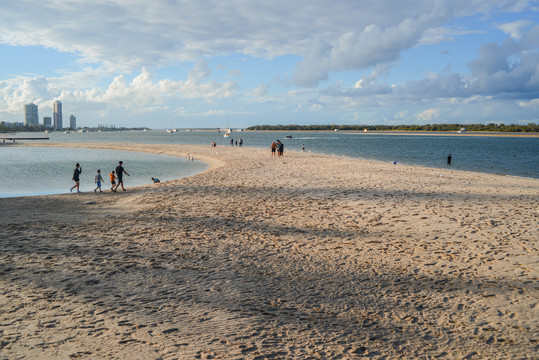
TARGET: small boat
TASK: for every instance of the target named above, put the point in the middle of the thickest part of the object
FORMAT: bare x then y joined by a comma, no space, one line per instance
462,130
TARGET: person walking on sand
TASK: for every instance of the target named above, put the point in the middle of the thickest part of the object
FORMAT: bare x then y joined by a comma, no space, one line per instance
98,181
112,181
120,171
273,149
76,177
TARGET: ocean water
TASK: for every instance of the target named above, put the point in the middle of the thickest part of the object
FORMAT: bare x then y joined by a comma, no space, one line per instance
505,155
44,171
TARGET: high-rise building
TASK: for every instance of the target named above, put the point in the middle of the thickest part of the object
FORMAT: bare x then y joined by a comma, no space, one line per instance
73,122
47,121
57,115
30,114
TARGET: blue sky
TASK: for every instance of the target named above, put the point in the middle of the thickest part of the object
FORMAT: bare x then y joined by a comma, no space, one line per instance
193,63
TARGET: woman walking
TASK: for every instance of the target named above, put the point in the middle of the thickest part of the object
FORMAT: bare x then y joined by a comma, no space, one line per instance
76,177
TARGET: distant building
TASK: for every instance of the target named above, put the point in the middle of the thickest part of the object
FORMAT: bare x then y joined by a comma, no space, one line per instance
57,115
30,115
72,122
47,121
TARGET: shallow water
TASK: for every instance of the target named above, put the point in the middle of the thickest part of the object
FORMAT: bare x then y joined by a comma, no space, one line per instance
507,155
37,171
43,171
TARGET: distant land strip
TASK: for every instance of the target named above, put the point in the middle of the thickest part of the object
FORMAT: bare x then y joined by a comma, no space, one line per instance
530,128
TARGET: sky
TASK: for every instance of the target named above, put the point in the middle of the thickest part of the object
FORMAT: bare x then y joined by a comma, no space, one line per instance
237,63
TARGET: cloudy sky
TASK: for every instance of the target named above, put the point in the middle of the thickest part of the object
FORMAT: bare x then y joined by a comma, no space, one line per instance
195,63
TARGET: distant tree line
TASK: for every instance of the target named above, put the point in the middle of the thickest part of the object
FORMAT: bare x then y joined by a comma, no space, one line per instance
531,127
13,127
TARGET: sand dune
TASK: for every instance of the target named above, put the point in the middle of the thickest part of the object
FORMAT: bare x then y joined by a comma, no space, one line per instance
308,257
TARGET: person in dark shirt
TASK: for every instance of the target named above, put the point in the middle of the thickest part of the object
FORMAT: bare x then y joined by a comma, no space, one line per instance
76,177
280,148
449,159
120,171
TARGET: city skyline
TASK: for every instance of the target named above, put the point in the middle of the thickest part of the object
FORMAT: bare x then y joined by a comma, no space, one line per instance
199,63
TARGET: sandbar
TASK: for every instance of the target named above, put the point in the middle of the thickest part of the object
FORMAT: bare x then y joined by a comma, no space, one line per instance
308,256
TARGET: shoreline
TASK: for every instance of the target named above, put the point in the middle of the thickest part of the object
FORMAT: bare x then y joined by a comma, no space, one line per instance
213,162
259,257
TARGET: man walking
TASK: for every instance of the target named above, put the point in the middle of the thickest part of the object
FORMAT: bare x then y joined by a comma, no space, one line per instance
120,171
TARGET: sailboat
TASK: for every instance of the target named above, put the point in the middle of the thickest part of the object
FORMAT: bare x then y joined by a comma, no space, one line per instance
228,130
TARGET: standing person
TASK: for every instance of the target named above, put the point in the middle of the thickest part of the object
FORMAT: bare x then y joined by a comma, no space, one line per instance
231,142
449,159
98,181
120,173
280,148
76,177
273,148
303,147
241,142
112,181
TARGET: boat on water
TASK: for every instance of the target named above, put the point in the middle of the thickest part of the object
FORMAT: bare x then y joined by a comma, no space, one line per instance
228,130
461,131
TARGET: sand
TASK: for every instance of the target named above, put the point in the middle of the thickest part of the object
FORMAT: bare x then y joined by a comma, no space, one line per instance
304,257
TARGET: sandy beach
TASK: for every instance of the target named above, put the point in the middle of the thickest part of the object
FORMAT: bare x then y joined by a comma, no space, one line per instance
303,257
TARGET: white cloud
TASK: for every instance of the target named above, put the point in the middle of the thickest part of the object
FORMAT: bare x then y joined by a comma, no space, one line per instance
141,94
515,28
429,115
260,91
131,34
437,35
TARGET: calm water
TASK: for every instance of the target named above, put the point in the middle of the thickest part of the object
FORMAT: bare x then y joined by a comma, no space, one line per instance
43,171
517,156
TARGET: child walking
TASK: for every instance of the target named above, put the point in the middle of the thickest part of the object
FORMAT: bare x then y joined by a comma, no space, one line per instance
98,180
112,181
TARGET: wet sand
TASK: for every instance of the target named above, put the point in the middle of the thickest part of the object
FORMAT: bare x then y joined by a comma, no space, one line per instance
308,257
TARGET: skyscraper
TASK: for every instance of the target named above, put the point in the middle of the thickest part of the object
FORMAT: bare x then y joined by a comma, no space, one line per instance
57,111
47,121
73,122
30,114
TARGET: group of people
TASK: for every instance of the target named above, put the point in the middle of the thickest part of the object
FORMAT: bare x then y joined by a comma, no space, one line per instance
277,146
115,175
232,142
